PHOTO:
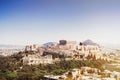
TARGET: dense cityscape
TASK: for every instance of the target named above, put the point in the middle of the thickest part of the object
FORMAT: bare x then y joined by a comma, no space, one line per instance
80,61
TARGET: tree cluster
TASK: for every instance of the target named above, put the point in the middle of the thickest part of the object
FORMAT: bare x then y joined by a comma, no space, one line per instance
12,68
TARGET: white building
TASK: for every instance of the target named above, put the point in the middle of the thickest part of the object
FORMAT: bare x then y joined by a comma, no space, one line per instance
9,51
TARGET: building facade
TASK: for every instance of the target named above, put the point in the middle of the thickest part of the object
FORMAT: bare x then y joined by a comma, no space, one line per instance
35,60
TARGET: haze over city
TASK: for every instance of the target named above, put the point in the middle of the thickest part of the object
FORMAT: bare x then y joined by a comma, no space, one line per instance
59,40
37,21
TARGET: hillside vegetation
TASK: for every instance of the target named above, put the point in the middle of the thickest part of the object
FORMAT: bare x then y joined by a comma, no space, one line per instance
11,68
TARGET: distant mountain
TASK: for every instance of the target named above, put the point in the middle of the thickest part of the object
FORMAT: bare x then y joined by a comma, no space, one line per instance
50,44
10,46
89,42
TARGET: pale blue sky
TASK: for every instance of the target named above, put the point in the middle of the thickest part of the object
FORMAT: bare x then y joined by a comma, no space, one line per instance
38,21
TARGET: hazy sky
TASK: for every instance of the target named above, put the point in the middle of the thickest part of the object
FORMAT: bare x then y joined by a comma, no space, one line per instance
39,21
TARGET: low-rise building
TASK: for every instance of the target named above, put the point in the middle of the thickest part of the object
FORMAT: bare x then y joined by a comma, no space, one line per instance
9,51
85,74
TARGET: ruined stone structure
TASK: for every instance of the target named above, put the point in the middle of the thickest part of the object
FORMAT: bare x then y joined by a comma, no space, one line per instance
34,59
87,49
64,44
67,48
33,47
